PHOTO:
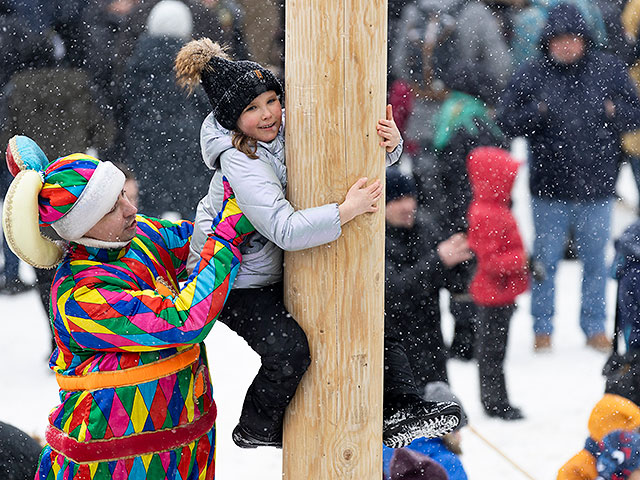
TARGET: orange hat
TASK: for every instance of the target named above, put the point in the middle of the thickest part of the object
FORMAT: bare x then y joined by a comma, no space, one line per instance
613,412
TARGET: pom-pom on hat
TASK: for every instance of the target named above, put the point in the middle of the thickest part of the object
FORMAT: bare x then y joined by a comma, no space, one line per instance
24,154
619,455
229,85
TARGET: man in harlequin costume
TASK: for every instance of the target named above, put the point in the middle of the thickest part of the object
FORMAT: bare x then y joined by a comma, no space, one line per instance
135,391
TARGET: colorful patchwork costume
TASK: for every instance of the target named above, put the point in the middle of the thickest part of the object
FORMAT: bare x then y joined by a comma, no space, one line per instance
133,375
135,391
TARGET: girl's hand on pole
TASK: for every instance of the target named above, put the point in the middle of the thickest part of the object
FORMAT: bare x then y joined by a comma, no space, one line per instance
361,198
388,131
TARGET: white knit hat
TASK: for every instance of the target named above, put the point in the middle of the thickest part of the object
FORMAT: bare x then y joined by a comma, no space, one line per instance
170,18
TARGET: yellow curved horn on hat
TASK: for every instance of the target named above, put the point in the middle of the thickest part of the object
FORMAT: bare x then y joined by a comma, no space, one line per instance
20,223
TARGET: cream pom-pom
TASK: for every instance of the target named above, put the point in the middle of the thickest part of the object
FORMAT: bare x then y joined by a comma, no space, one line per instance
193,59
20,223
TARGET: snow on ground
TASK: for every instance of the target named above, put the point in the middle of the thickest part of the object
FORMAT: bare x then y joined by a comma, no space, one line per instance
556,390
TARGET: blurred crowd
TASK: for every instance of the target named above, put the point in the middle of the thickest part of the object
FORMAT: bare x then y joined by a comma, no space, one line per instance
465,77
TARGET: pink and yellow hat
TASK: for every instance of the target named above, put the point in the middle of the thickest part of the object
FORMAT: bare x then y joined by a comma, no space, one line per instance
70,194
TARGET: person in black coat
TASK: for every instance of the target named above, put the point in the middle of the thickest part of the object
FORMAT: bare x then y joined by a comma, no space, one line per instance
573,103
19,454
222,20
419,261
162,136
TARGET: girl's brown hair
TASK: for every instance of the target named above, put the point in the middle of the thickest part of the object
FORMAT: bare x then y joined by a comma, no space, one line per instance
245,144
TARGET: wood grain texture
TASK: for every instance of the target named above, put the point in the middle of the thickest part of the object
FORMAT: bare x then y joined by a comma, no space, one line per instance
335,93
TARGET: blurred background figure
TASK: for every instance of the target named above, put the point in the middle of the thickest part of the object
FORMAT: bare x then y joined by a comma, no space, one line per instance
43,84
610,413
450,63
19,454
573,102
419,260
501,274
162,125
222,20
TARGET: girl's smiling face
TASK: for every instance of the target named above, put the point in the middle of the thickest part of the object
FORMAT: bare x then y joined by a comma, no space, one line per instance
261,119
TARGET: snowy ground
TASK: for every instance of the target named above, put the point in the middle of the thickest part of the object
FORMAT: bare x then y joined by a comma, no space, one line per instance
556,390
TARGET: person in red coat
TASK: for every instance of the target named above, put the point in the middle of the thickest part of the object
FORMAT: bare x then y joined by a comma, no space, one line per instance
502,272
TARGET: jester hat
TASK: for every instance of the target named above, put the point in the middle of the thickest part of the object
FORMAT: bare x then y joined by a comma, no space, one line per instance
71,195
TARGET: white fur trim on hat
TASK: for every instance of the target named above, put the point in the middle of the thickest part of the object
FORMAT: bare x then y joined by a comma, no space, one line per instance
170,18
95,201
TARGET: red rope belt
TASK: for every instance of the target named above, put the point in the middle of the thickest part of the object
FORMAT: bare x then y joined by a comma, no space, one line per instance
130,446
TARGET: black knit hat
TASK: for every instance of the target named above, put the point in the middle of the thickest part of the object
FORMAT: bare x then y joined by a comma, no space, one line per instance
399,185
231,86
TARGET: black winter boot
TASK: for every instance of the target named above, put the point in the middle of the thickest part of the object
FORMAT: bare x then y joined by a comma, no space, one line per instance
464,313
409,417
504,412
245,438
493,393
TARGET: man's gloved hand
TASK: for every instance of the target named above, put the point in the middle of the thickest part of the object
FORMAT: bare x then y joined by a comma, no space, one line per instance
230,224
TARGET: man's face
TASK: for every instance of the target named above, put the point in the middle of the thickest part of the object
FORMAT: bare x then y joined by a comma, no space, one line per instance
119,225
401,212
132,191
566,49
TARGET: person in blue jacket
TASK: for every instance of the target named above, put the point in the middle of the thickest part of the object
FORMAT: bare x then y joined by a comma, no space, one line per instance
573,103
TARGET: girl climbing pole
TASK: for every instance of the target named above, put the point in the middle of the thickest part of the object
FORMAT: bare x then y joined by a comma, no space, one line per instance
242,141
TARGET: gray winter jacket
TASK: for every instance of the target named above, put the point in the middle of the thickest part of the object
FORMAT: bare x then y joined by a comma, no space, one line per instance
260,186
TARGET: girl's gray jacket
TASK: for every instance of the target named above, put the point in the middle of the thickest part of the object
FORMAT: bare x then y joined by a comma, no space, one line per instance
260,186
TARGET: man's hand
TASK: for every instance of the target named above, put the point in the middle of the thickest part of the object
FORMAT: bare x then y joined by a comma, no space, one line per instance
454,250
388,130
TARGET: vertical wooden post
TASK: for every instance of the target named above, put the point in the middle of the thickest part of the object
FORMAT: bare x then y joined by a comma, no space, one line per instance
335,92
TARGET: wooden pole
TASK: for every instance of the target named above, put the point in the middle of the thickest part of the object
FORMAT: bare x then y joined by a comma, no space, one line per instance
335,93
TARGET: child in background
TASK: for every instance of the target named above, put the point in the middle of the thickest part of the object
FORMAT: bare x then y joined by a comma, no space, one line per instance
611,412
501,274
243,141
